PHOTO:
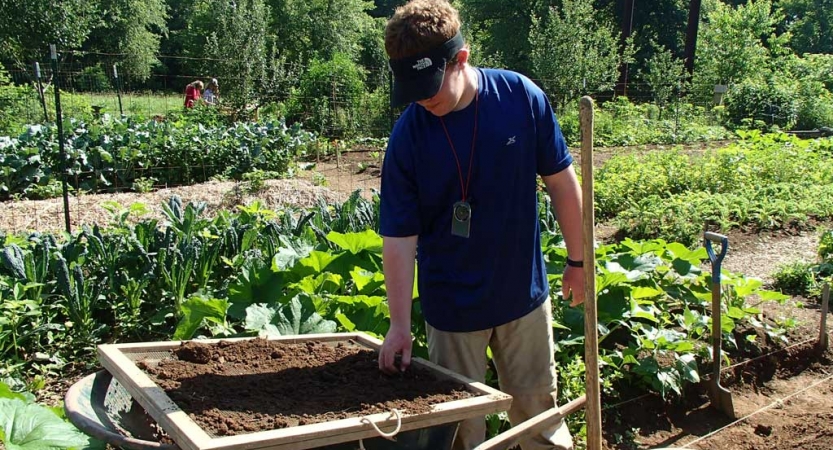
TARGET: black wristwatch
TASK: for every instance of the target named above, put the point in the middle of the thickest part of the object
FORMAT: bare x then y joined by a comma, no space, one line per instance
572,263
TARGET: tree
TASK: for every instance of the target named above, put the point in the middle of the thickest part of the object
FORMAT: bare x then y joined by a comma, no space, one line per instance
31,25
500,29
811,24
132,29
573,53
237,50
306,29
663,73
736,43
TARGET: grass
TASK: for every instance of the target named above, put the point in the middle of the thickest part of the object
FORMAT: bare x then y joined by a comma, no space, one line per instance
141,104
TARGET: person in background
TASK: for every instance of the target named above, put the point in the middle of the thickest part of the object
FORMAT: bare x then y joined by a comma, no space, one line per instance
192,93
459,194
212,92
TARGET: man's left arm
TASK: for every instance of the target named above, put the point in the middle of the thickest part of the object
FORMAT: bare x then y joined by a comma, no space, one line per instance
565,193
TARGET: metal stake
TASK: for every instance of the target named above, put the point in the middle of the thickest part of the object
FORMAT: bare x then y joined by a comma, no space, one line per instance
118,88
40,92
59,119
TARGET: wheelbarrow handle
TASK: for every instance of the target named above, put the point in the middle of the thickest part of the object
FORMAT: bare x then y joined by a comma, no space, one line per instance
716,259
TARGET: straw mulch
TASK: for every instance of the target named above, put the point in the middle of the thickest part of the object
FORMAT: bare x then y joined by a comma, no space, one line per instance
48,215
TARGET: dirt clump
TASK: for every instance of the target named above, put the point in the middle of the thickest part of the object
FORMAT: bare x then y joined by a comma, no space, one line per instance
236,387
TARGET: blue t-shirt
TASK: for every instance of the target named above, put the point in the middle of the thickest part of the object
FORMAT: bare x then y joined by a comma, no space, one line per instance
497,274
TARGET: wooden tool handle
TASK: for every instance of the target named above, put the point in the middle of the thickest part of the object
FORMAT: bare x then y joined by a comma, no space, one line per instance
532,426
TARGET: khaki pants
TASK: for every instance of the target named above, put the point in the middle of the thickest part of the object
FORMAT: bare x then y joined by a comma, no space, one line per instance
523,356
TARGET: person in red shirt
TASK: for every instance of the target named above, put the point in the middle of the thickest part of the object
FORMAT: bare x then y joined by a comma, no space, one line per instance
192,93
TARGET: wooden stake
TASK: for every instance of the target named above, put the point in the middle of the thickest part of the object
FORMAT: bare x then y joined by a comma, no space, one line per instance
825,305
591,338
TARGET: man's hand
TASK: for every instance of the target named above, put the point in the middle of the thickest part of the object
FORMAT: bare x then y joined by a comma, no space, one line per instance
397,341
573,281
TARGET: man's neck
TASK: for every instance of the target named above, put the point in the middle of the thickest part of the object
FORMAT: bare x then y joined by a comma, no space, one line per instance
469,89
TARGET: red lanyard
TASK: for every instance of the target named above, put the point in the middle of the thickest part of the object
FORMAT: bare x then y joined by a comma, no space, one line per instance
464,188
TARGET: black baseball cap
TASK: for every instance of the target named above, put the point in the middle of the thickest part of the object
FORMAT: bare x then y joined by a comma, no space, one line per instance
420,76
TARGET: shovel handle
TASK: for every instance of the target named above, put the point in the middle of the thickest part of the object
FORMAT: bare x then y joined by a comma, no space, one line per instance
716,259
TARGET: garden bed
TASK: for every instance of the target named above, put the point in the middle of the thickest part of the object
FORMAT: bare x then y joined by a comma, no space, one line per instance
300,392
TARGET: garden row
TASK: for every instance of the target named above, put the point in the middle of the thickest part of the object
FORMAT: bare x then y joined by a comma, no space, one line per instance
760,182
116,154
265,272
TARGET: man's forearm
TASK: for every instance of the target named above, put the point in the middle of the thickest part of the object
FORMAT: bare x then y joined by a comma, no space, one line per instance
565,194
398,258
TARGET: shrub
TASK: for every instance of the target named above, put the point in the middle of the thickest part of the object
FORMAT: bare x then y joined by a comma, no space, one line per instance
769,103
815,106
795,278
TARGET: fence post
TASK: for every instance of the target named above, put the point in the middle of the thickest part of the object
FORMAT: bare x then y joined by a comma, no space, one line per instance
118,88
40,92
59,120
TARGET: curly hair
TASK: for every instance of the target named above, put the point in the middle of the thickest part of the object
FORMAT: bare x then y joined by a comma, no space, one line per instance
419,26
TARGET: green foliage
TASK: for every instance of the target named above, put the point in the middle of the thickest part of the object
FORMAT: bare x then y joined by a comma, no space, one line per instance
133,29
26,425
15,103
761,182
795,278
328,98
319,29
237,45
770,103
117,152
93,79
38,23
810,24
736,43
664,74
826,246
653,303
622,123
574,29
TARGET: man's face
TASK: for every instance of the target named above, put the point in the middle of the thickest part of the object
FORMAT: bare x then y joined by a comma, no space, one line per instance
448,97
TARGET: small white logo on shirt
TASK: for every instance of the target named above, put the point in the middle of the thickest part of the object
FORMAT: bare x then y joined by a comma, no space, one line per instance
423,64
511,141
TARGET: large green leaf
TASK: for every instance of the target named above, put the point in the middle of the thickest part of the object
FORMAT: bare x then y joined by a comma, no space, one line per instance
195,310
34,427
254,285
363,313
296,317
355,243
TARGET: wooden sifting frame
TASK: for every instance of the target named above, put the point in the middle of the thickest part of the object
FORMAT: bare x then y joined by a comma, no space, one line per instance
188,435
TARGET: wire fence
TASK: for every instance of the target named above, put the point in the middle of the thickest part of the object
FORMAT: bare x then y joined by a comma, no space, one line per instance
345,116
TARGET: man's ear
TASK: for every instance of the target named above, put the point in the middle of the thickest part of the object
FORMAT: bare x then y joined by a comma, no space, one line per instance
463,56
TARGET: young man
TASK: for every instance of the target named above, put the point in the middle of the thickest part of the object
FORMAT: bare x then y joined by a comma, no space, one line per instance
459,194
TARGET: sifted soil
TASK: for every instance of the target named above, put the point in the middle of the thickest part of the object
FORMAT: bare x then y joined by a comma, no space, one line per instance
237,387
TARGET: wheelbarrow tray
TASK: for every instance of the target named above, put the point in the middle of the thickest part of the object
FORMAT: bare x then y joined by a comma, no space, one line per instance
120,360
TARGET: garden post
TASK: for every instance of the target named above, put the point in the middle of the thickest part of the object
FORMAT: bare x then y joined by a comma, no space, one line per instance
591,337
825,307
118,88
40,92
59,119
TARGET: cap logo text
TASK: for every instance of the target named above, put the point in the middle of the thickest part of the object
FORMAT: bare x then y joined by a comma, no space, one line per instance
422,64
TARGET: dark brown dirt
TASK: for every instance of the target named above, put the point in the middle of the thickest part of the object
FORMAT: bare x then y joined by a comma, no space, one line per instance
237,387
782,401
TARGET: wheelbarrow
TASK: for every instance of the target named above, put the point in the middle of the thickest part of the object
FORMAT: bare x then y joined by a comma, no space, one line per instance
100,407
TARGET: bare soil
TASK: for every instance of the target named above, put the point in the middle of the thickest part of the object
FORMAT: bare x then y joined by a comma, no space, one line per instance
224,387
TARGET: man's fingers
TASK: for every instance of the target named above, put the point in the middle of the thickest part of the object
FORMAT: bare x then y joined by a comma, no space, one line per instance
406,358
